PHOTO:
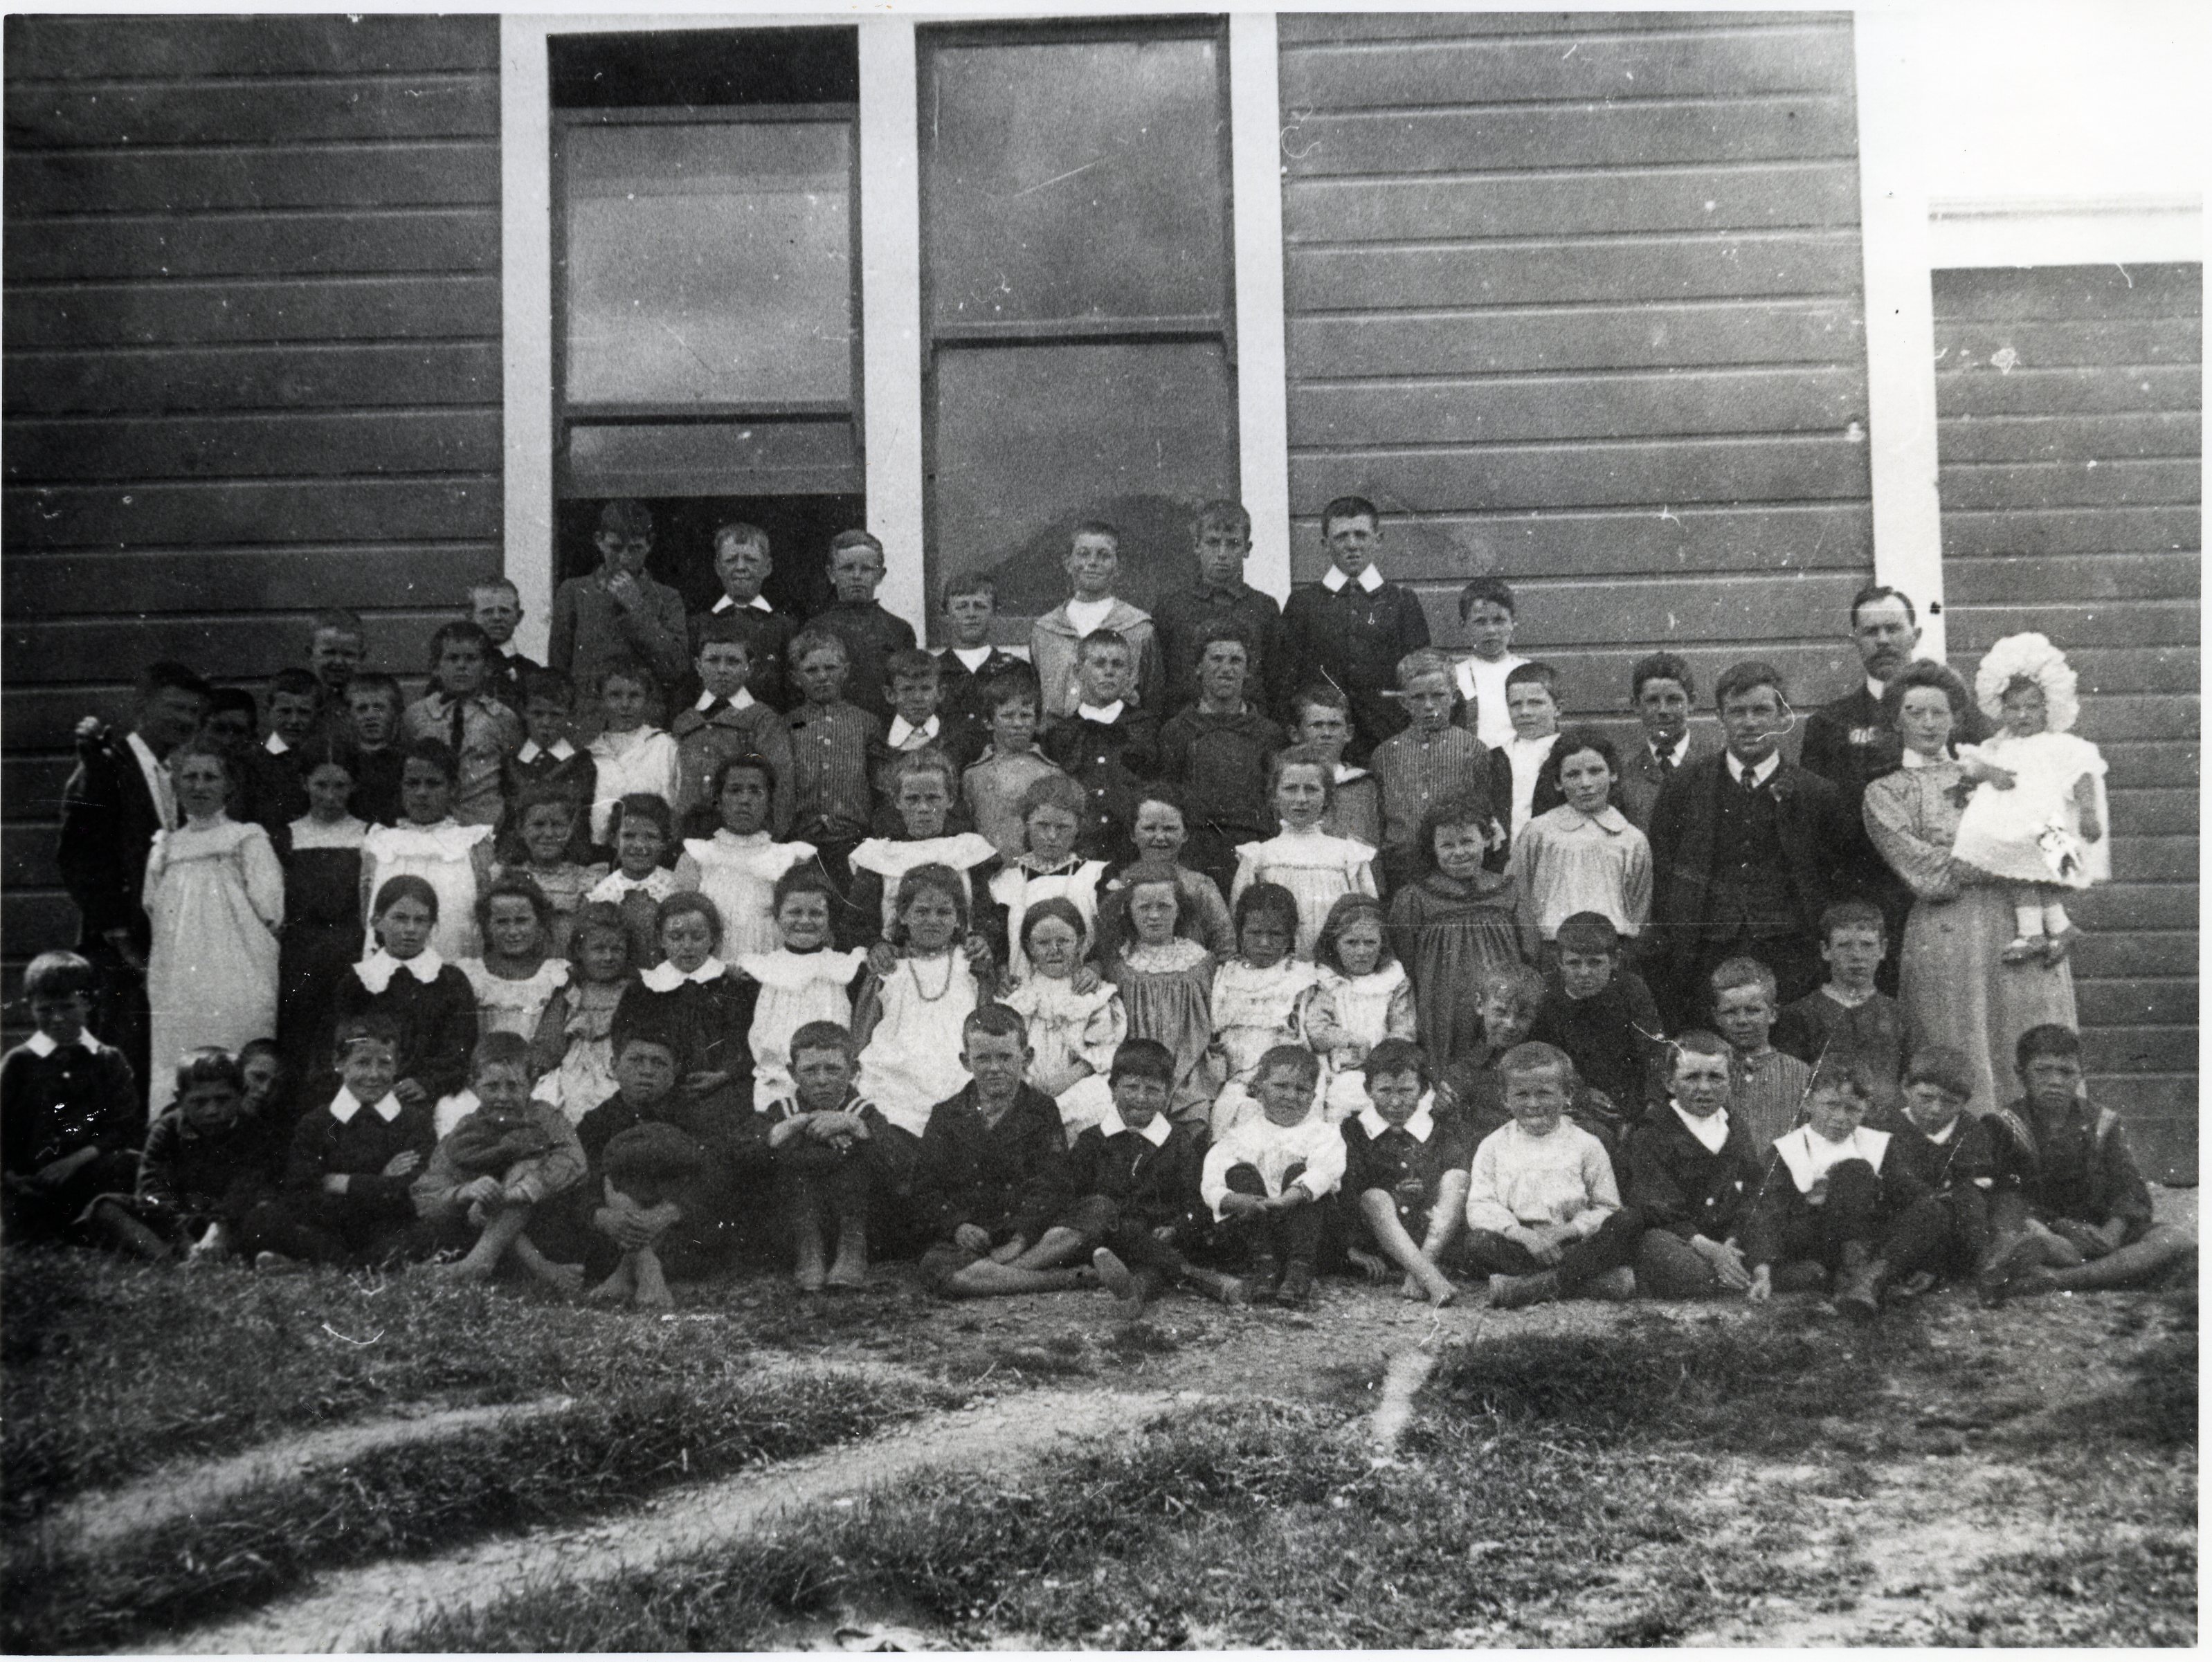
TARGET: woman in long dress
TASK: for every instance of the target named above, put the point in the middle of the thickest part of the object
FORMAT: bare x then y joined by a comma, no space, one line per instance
216,895
1954,985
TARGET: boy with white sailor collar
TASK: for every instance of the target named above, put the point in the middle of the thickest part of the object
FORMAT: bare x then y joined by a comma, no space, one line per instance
1691,1171
1830,1199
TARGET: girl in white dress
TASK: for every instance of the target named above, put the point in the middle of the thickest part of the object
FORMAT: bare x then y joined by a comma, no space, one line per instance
801,981
2038,817
631,756
1052,809
737,867
1072,1035
454,859
576,1044
907,1022
1363,996
1318,870
1258,997
517,978
216,895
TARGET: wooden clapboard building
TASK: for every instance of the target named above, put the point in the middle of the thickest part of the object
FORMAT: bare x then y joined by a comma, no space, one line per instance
327,310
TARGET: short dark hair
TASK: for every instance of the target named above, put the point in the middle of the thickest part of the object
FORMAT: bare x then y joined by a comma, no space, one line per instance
337,620
1224,512
1456,808
1495,590
1534,1055
740,533
745,762
378,681
910,664
1000,1020
724,629
1271,898
645,806
1017,681
1054,790
1396,1056
1056,906
1327,695
626,516
295,684
1698,1041
406,887
220,699
209,1065
1143,1059
519,886
1572,742
459,630
822,1035
855,538
1748,677
1224,628
1348,507
1661,666
2050,1038
1097,640
1094,528
59,975
1167,794
1846,1072
690,903
806,878
1846,914
1946,1066
498,1050
436,751
1877,591
967,582
552,685
1588,932
1296,1057
371,1027
627,669
1539,674
1730,973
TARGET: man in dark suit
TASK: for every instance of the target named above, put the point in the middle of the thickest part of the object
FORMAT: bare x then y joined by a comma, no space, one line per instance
1850,745
1745,849
116,799
1663,690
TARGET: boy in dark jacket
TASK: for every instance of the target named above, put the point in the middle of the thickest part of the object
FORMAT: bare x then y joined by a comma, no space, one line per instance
1691,1173
209,1160
70,1113
1405,1170
345,1198
1108,746
1135,1176
1600,1013
993,1175
1961,1156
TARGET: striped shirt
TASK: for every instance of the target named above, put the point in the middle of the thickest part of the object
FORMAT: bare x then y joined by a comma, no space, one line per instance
1418,769
831,799
1766,1095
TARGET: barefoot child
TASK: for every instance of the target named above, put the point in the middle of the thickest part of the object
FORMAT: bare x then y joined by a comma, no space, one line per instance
1135,1177
803,982
1318,870
659,1192
1265,1180
505,1157
1363,997
1544,1219
1407,1174
2036,819
991,1175
820,1140
737,867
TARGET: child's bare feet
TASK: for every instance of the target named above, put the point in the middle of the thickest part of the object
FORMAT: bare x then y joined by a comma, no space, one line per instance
564,1278
848,1273
619,1286
652,1292
1436,1286
1411,1288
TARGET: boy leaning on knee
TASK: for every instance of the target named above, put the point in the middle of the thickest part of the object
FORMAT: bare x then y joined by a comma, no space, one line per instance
1266,1179
1691,1174
2081,1217
821,1143
1406,1172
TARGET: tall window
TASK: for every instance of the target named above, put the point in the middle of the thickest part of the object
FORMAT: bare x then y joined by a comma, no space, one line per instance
1076,293
707,311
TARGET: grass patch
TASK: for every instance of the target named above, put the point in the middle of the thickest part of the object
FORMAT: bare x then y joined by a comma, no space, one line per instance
613,1447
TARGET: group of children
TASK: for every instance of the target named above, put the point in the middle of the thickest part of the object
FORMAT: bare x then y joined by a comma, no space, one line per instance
865,951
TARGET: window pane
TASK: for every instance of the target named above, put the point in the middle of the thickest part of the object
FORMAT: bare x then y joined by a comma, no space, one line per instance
1031,439
1070,179
709,263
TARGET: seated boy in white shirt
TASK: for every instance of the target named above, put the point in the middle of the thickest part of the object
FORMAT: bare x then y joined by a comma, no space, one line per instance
1544,1218
1265,1180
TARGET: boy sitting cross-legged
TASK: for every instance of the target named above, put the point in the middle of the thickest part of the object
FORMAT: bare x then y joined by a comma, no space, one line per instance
1135,1176
1691,1174
1266,1179
820,1140
1407,1173
1544,1219
2080,1218
991,1175
210,1159
1831,1200
506,1154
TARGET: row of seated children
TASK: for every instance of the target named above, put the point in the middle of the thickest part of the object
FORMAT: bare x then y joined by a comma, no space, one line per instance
2040,1197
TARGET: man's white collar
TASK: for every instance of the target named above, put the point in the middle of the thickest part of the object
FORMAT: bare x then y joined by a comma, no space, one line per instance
42,1044
1875,688
275,745
665,977
1334,580
903,730
1418,1125
560,750
1678,752
1106,712
1155,1130
756,604
375,971
1711,1130
1764,772
973,656
345,1105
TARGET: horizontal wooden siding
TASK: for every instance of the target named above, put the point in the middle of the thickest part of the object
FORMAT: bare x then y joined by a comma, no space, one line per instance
2069,430
251,355
1575,298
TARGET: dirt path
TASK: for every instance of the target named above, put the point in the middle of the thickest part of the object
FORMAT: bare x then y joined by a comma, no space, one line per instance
161,1497
351,1609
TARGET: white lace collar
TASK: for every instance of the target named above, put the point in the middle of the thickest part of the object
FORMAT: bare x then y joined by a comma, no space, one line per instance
345,1105
904,732
665,977
743,699
375,971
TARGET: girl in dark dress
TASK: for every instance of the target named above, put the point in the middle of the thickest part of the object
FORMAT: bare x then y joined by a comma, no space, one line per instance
322,938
